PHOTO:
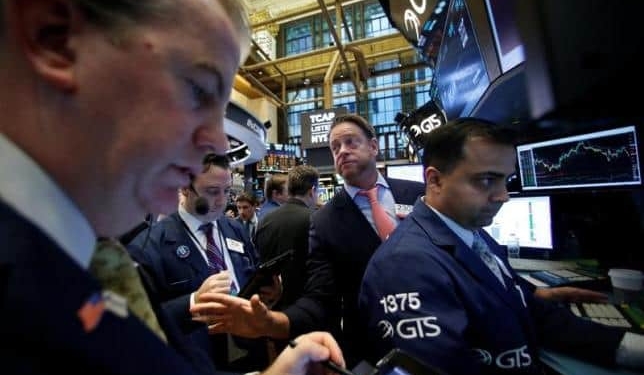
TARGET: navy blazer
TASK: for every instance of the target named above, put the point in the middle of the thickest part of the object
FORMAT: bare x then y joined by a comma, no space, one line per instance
42,290
341,243
444,305
176,275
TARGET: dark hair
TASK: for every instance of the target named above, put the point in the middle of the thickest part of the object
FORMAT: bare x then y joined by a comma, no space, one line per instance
217,160
443,146
275,182
358,120
301,179
246,197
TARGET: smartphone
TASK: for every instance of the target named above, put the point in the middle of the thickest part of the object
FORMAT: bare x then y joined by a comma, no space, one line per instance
399,362
264,273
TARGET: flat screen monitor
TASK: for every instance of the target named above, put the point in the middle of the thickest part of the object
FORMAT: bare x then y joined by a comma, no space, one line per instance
508,43
528,218
409,172
599,159
461,75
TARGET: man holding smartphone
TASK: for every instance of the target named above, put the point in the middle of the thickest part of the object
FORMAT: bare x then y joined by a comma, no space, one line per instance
198,249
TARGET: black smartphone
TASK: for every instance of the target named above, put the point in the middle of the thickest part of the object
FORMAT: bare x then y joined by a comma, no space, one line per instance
399,362
264,273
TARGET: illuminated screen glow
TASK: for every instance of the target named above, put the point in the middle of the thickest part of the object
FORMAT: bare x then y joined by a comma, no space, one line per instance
409,172
605,158
529,218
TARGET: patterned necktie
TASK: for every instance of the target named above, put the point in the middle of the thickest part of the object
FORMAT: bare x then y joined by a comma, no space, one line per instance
383,222
480,246
114,268
214,255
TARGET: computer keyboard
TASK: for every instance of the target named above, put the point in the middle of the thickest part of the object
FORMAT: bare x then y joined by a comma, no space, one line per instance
526,264
560,277
603,313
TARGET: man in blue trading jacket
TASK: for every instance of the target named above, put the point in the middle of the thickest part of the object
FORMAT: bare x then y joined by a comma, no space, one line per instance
443,290
198,249
344,234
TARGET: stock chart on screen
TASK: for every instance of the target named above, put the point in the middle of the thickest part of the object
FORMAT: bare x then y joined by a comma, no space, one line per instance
604,158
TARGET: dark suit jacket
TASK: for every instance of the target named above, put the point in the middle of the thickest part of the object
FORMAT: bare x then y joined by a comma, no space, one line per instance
41,292
341,243
284,228
175,276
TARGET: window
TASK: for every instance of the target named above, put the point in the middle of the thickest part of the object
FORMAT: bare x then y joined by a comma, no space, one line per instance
376,21
294,111
384,104
298,38
344,96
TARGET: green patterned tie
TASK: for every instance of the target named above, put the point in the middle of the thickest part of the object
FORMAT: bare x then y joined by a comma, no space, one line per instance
114,268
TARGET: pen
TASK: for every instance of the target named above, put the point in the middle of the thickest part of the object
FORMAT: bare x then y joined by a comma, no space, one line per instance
328,363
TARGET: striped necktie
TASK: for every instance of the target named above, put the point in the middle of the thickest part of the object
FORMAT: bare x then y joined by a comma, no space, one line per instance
384,225
481,247
114,268
214,255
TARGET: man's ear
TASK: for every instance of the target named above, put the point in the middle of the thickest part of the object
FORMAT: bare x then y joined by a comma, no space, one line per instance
432,178
44,29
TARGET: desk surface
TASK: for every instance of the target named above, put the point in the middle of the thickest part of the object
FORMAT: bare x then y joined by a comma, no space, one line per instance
568,365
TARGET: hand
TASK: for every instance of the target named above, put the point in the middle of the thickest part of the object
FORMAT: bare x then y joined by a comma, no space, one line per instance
570,294
304,358
270,294
241,317
217,283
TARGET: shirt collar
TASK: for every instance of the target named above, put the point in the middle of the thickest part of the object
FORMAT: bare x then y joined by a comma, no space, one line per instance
34,195
465,235
353,190
192,221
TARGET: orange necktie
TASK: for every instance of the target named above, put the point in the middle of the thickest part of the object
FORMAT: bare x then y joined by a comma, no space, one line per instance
383,222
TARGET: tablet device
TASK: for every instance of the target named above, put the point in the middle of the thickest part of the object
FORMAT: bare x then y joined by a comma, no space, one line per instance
399,362
264,273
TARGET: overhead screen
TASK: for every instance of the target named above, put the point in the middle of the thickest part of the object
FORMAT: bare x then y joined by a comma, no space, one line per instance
461,76
506,33
606,158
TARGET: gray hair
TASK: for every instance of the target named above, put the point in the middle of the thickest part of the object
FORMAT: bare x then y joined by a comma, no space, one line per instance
117,15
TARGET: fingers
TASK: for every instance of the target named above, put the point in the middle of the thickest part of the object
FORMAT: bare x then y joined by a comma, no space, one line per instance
304,357
321,346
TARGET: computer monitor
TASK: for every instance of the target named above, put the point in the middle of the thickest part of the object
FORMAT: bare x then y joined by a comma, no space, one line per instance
461,75
599,159
528,218
409,172
508,43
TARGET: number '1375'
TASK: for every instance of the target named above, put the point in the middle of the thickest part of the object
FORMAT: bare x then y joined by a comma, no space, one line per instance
392,303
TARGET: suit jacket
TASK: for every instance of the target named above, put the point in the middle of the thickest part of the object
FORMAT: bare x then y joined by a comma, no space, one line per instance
341,243
450,310
175,275
282,229
42,291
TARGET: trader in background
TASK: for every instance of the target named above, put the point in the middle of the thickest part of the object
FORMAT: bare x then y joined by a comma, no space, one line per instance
466,310
275,193
107,109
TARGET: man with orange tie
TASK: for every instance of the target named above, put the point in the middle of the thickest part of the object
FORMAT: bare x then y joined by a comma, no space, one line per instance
344,234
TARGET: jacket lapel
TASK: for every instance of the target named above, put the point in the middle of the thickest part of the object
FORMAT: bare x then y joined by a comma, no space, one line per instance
444,238
177,236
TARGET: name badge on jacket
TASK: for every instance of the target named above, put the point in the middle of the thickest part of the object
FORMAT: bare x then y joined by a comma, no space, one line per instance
402,210
235,245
